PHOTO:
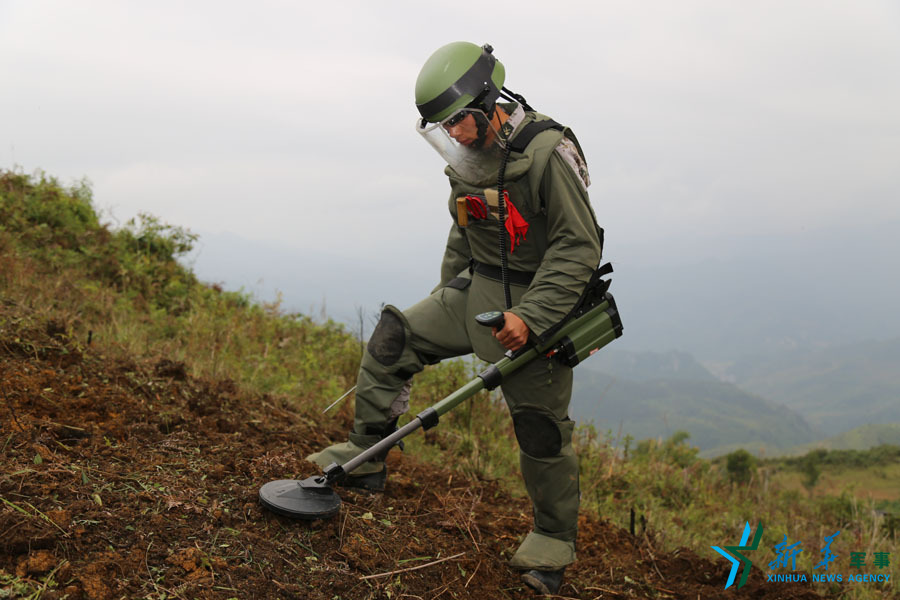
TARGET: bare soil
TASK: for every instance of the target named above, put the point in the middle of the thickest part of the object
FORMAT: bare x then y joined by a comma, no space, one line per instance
129,479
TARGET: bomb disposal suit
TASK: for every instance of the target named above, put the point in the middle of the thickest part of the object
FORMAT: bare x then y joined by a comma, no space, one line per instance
554,246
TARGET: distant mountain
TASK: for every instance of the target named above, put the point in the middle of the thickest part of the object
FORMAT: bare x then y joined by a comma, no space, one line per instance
647,366
836,389
656,402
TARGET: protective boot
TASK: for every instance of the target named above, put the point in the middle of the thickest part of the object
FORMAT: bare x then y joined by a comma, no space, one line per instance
543,553
372,474
544,582
373,482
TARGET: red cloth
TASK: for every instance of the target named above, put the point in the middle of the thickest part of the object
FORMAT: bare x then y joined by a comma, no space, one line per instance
516,225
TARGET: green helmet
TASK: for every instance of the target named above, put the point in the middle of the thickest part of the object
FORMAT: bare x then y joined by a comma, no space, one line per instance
458,75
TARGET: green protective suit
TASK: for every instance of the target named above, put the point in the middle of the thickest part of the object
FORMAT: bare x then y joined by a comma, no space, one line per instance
547,186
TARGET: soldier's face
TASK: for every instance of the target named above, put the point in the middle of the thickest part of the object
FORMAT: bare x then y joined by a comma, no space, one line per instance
466,132
468,140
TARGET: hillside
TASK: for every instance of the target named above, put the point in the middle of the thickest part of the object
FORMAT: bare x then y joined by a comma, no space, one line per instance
131,479
142,410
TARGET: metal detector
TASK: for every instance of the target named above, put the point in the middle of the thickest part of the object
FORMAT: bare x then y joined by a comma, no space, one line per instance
595,324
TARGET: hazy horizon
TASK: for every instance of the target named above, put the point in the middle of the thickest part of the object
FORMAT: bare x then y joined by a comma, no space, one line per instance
745,300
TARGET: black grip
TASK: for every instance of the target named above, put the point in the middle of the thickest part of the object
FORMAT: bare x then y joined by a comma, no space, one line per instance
429,418
492,318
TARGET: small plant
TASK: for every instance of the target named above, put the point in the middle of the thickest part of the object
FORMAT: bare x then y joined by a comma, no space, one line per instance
811,470
741,466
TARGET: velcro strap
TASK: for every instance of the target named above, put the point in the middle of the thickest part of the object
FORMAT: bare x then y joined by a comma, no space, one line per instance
604,269
459,283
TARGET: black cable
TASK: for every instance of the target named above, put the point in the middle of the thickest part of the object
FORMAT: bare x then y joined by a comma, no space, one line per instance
501,216
516,97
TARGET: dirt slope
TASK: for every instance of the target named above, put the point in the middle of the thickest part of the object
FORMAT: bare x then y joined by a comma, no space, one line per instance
131,480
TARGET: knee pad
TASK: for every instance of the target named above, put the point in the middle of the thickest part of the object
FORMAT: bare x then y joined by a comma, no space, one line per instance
389,338
538,434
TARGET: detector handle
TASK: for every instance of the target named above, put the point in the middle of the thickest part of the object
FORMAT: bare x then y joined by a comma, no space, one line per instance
493,318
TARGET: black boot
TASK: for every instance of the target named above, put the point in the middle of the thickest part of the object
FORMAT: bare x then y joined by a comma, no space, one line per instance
545,582
373,482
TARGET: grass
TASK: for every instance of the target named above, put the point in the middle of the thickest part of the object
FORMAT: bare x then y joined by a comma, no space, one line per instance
876,483
13,586
124,294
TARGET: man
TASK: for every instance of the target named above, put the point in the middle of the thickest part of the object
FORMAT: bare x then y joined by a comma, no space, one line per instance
551,245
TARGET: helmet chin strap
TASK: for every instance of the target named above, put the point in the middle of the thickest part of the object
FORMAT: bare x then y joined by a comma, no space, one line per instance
479,103
482,128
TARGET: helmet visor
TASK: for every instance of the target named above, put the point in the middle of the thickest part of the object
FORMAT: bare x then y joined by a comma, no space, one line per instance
467,140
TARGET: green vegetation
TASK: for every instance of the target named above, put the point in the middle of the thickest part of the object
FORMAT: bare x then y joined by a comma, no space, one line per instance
858,438
869,475
741,466
885,454
123,294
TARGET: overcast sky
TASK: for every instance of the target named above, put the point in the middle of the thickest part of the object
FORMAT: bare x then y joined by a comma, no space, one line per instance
292,122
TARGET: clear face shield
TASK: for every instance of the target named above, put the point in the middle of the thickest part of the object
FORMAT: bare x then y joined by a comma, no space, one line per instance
468,141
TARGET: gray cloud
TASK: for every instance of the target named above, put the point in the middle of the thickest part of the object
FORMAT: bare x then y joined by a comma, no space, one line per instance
293,122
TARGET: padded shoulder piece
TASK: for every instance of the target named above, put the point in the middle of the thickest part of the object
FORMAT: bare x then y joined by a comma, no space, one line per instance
529,131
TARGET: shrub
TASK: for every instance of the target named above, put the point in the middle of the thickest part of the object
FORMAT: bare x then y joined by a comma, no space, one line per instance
741,466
